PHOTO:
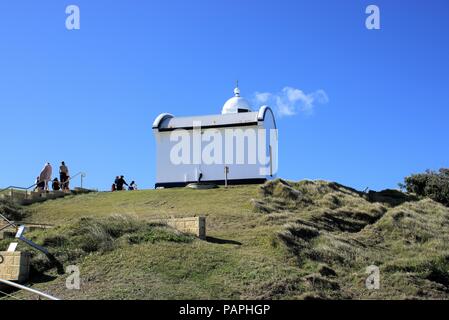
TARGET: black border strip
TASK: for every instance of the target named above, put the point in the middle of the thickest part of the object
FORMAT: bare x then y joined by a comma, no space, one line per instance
346,309
217,182
230,125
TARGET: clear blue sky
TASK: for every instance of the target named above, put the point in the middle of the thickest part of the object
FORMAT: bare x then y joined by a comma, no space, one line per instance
89,96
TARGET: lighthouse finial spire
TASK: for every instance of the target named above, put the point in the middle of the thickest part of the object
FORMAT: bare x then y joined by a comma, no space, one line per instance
237,90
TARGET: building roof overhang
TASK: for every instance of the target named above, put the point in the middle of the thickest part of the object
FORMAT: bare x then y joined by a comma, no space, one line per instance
167,122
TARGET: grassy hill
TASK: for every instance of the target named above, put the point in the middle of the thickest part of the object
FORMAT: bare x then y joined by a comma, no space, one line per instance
282,240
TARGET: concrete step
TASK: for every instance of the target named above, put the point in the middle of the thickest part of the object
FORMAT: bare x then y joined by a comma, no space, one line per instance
4,197
59,194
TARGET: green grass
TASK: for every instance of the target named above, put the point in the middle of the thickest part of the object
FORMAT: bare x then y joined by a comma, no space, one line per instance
150,204
332,226
282,241
235,262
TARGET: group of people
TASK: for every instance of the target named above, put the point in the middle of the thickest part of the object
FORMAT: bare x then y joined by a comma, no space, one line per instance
120,183
44,178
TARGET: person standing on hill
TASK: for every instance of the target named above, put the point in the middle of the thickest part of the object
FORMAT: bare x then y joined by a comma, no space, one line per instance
45,175
64,175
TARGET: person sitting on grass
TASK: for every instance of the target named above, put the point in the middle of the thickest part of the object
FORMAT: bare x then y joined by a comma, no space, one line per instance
120,183
132,186
56,185
115,185
40,185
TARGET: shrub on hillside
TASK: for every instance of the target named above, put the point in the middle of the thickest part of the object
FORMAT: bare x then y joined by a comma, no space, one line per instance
434,185
11,211
69,243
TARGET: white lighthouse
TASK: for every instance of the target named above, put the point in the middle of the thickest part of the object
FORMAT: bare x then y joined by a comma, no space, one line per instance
238,146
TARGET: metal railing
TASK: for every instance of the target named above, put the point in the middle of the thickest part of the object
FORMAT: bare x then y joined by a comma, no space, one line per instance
32,187
33,291
17,188
8,223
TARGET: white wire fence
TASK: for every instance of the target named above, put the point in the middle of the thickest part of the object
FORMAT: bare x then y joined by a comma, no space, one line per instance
25,288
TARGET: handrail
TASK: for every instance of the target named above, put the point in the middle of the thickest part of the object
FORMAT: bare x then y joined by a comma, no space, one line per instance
20,188
8,223
19,286
82,174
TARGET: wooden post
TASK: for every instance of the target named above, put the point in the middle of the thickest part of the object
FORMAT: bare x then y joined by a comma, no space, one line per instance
226,171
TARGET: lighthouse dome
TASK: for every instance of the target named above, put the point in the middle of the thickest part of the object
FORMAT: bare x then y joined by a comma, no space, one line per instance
236,104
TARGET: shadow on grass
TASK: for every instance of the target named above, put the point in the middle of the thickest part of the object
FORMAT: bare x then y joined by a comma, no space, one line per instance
389,196
58,265
392,197
222,241
42,278
7,291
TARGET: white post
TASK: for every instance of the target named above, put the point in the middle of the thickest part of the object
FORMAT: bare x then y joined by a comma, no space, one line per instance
83,175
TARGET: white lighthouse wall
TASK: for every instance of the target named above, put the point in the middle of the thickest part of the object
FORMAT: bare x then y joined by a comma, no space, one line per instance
167,172
272,139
